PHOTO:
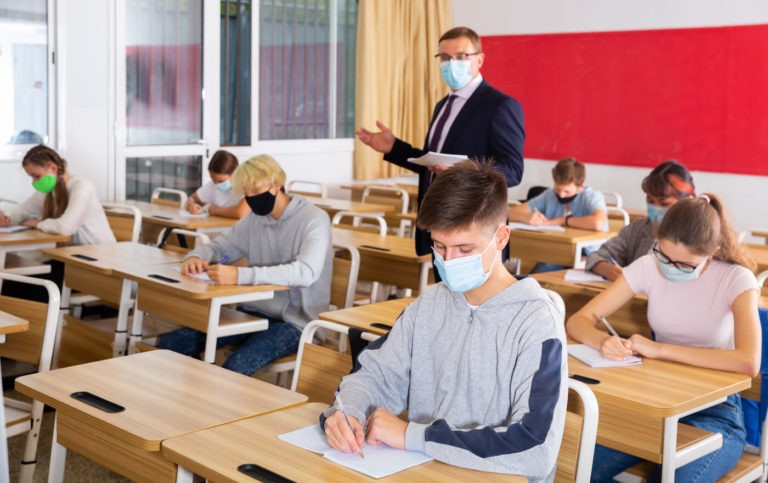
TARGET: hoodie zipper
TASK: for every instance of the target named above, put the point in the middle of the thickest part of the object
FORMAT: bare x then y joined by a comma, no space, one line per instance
461,359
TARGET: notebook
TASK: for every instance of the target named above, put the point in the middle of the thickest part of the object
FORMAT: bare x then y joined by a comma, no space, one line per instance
188,214
574,275
13,229
513,225
379,461
593,358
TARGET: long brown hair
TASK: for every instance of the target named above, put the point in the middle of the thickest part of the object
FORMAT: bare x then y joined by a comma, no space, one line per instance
701,224
57,200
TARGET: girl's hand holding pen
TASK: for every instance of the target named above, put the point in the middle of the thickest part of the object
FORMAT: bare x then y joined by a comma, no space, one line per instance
615,348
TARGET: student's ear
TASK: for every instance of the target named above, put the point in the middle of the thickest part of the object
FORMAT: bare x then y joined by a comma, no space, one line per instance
502,237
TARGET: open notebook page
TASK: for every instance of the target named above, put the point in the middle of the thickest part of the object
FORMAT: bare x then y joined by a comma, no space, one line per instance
593,358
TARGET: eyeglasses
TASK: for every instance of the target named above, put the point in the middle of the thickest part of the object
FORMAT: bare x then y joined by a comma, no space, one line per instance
459,56
682,266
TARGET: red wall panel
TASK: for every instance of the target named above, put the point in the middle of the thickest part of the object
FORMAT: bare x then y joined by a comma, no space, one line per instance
637,98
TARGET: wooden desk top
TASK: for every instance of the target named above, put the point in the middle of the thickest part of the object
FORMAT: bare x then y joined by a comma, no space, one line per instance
109,255
333,206
216,453
164,394
760,254
392,247
659,388
185,286
10,324
570,235
364,315
29,237
556,281
169,216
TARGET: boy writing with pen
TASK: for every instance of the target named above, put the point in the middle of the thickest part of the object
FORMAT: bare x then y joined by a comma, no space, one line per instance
478,360
286,241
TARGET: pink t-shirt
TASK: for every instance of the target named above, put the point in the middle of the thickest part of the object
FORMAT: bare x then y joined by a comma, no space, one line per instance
695,313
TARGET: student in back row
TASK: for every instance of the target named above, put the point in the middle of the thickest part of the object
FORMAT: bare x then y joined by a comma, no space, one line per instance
478,360
286,241
217,196
667,184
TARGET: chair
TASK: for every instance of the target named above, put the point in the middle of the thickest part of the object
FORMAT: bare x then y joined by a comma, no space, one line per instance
319,369
613,198
346,264
351,220
307,188
35,346
534,191
124,220
179,243
168,196
618,218
392,196
574,461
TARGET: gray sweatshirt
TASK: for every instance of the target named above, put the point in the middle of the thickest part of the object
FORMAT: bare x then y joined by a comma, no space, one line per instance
295,250
632,242
485,387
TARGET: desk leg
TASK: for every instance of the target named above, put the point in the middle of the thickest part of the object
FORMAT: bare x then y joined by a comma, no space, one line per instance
213,331
66,294
136,327
121,330
58,457
669,457
424,276
183,475
4,471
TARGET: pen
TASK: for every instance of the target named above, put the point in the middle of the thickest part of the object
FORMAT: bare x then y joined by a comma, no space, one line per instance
613,332
222,260
346,418
613,260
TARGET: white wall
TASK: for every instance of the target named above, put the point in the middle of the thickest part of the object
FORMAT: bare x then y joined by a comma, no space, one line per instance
745,196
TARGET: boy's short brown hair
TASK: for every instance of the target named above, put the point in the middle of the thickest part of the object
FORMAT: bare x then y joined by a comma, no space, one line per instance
466,32
569,170
469,192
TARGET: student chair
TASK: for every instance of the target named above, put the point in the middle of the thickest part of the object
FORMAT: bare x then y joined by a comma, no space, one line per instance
346,265
618,218
613,199
392,196
124,220
35,346
319,369
307,188
179,243
351,220
169,197
534,191
574,461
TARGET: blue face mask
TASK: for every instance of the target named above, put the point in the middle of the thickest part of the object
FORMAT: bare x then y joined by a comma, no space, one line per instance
456,73
224,185
674,274
656,213
465,273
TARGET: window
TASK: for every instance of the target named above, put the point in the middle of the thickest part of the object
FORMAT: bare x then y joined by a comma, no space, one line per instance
24,72
306,69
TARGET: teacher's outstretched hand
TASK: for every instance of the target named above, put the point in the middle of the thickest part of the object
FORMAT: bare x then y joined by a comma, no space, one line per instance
381,141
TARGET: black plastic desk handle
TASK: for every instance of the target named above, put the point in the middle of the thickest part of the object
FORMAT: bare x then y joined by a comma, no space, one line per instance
163,278
97,402
160,217
83,257
375,248
379,325
262,474
585,379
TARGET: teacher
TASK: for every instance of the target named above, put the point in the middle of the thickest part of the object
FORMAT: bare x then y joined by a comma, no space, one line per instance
474,120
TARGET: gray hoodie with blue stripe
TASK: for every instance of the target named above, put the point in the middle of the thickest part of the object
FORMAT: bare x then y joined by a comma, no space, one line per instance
485,387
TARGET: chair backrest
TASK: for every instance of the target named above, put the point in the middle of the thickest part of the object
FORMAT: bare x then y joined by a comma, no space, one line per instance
307,188
124,220
534,191
761,278
34,346
346,265
613,198
319,369
169,197
387,195
175,239
574,461
354,221
618,218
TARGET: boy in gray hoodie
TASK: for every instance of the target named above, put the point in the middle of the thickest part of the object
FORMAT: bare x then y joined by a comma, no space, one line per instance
479,360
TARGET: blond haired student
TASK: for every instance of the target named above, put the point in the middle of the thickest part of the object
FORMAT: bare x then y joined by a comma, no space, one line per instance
217,196
702,308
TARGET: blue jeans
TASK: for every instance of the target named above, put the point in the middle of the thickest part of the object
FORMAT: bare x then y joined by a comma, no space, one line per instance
255,350
725,418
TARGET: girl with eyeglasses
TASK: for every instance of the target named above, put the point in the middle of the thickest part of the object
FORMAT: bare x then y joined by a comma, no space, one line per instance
702,308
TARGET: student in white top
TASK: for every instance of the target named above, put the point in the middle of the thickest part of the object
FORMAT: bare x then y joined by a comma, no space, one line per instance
702,308
216,196
63,203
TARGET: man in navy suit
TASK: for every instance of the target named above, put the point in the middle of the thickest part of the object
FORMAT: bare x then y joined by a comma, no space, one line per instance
475,120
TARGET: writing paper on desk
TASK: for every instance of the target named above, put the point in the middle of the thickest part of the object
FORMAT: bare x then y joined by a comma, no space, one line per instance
513,225
593,358
189,214
438,159
200,276
582,276
379,461
13,229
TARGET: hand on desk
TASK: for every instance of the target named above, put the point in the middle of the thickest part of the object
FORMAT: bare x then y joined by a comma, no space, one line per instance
193,207
645,347
340,437
30,223
4,220
615,348
193,266
382,141
223,274
609,271
537,219
385,428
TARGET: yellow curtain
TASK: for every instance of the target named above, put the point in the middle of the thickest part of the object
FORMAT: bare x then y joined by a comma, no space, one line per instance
397,80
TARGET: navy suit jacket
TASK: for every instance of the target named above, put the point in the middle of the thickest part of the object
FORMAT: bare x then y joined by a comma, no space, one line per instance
489,126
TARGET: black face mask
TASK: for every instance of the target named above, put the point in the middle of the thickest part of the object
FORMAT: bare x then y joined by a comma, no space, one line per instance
563,201
261,204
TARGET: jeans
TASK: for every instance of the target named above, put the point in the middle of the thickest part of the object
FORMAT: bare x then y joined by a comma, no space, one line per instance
725,418
255,350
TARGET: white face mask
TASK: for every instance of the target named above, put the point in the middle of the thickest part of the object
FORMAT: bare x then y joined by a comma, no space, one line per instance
465,273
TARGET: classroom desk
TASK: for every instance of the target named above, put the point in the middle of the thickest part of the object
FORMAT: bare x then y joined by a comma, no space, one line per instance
164,395
192,303
760,254
559,247
167,217
387,259
25,241
94,276
760,233
216,454
630,319
363,316
333,206
9,324
640,407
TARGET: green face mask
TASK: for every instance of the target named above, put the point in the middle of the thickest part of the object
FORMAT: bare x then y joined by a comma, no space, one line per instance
45,184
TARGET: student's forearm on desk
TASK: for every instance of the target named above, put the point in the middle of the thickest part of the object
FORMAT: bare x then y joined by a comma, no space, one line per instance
596,221
235,211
